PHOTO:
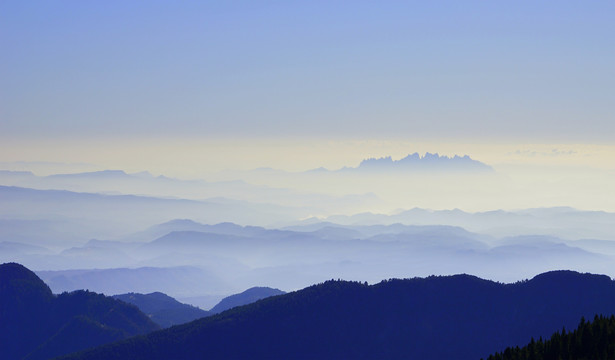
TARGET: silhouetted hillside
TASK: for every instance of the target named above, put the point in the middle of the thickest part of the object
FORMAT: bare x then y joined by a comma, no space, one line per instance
35,324
452,317
163,309
590,340
247,297
166,311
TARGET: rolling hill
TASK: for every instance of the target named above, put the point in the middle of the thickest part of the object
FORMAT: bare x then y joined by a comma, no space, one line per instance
445,317
166,311
163,309
590,340
247,297
35,324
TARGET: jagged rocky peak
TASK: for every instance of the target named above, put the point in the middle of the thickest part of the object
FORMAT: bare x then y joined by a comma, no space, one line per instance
428,161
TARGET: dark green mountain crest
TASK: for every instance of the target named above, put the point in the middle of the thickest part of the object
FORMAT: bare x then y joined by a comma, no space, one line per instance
590,340
450,317
163,309
35,324
247,297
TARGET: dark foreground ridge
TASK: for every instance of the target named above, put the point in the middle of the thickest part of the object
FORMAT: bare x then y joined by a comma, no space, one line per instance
452,317
35,324
590,340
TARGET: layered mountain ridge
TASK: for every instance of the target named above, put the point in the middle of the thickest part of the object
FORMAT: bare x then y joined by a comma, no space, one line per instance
438,317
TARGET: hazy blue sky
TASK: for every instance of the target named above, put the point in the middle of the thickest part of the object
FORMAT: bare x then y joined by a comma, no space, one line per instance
537,71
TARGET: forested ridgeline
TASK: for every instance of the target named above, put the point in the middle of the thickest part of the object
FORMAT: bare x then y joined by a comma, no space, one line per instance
593,340
439,317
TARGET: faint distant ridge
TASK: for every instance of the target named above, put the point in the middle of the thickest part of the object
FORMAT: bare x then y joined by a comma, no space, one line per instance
427,162
94,174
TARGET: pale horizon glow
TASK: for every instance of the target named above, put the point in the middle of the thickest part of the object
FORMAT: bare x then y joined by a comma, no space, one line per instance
181,157
526,175
213,90
202,148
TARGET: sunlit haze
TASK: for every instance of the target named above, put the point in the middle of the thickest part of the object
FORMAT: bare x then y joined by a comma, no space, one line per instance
184,152
196,90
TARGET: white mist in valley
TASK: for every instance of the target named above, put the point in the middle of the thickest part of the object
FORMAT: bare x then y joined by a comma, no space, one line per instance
114,232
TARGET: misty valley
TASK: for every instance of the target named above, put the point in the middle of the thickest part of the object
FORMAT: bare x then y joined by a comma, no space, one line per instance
416,180
93,271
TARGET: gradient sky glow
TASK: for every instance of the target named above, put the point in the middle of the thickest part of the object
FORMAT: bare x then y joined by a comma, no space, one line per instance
192,88
522,71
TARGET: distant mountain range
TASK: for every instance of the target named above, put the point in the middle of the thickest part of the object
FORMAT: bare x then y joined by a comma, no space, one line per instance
411,163
565,222
35,324
427,162
122,214
71,216
144,184
186,259
451,317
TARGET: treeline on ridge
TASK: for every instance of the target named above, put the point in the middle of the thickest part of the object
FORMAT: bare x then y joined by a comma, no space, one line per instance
591,340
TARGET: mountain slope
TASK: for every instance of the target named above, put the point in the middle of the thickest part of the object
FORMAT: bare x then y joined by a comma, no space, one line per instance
452,317
163,309
247,297
35,324
590,340
166,311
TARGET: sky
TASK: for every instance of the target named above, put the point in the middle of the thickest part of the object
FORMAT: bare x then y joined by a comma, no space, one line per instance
196,86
